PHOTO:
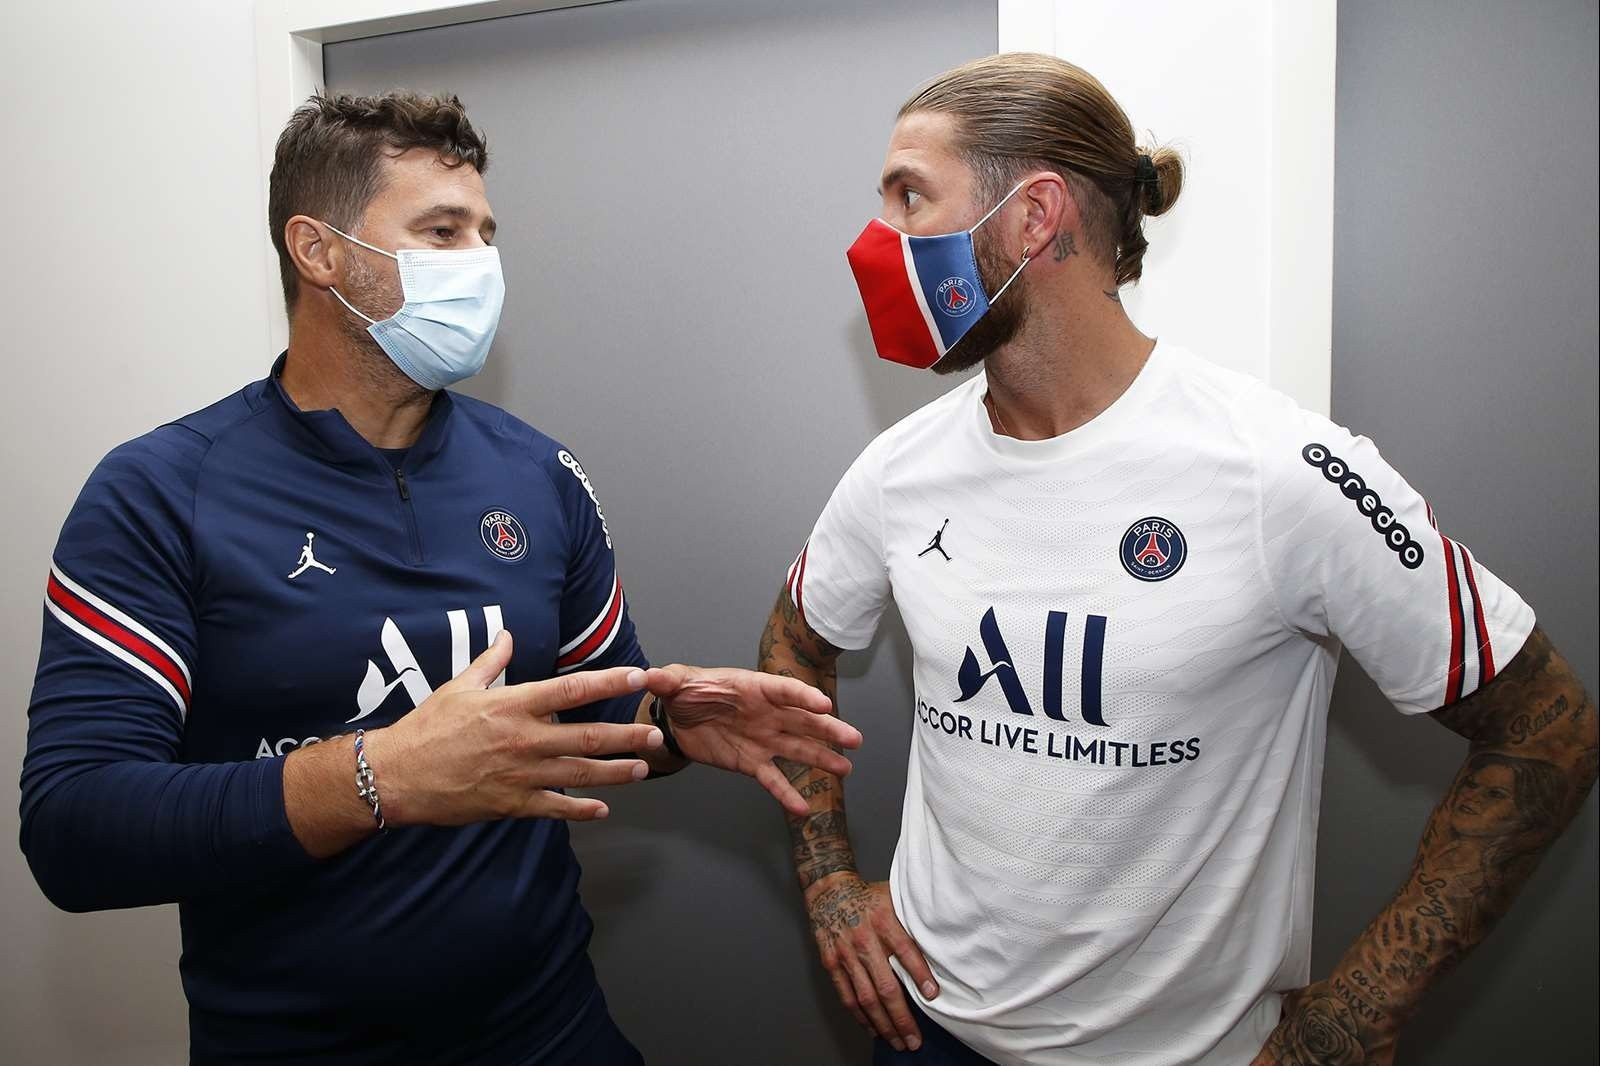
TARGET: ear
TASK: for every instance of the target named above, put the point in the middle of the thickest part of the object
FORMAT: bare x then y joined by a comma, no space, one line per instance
314,250
1051,211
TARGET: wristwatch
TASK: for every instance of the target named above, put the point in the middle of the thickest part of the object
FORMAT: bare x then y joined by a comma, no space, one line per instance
663,721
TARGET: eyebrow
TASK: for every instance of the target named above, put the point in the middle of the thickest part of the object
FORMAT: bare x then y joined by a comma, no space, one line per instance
455,211
899,176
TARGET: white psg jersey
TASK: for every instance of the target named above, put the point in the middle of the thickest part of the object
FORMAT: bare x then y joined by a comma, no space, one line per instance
1125,643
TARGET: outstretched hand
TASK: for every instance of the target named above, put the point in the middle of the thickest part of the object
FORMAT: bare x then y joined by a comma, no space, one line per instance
741,720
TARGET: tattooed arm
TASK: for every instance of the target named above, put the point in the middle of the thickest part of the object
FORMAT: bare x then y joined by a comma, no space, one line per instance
1529,767
853,920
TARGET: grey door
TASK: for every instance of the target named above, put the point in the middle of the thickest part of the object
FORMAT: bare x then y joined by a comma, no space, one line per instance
676,182
1464,343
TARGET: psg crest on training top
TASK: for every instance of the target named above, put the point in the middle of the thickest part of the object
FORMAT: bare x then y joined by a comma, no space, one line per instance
1153,549
503,535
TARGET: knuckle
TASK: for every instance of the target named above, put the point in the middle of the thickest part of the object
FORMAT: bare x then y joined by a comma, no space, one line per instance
568,690
582,776
590,740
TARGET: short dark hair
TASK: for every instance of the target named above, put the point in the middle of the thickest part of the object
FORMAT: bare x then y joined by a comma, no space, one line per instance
328,160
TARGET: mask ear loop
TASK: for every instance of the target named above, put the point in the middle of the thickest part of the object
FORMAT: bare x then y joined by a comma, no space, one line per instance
1025,256
980,221
370,248
380,251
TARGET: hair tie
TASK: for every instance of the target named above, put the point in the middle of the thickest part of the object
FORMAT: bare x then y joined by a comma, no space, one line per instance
1146,172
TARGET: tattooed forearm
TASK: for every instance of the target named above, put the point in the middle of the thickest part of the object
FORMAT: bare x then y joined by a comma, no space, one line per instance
1529,768
821,845
1063,246
815,788
820,839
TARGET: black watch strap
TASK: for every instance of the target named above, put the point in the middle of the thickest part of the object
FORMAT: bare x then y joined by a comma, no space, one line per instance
662,721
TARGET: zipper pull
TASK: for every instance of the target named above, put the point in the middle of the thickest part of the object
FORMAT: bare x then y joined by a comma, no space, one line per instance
400,480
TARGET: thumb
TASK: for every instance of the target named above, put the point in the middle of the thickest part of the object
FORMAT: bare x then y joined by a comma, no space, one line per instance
482,671
666,681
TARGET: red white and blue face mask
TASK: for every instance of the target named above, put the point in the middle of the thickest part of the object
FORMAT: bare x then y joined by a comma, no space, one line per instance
922,294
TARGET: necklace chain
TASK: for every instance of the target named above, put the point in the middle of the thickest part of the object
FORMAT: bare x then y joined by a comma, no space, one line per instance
989,399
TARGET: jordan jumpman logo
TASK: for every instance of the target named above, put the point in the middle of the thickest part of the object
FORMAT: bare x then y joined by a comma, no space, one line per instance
308,560
937,544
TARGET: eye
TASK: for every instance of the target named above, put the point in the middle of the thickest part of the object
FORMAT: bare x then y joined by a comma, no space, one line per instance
444,233
910,197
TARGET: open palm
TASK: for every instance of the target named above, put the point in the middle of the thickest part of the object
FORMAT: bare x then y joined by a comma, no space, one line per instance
741,720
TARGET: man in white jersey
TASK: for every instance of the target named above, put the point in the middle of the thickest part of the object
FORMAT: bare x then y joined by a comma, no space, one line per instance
1125,646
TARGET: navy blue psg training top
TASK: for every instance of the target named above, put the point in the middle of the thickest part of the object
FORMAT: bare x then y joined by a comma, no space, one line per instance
251,578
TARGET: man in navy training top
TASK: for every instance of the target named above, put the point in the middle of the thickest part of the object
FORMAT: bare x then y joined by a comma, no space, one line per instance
258,651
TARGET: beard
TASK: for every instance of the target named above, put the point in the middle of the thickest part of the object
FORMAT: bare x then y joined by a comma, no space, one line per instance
370,291
999,324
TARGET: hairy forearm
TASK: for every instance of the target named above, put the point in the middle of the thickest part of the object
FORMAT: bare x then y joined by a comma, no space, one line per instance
320,799
1530,766
820,838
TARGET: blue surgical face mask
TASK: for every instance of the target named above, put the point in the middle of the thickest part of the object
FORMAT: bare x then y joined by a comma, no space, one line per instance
442,332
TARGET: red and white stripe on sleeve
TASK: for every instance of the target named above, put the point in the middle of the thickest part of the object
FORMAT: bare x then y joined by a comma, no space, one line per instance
119,634
796,581
1469,627
592,643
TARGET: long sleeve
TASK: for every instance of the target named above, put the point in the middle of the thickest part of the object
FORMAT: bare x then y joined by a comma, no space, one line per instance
111,816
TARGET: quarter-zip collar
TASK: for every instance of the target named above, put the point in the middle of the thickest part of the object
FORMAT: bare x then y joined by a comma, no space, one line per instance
327,435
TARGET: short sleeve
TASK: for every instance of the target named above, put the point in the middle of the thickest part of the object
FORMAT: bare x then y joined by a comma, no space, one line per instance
839,582
1355,553
595,629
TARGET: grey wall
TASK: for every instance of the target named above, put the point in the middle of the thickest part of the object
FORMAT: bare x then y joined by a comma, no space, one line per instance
676,182
1464,343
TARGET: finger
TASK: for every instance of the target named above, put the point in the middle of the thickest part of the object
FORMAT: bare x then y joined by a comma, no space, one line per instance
573,690
910,957
867,997
824,728
847,996
596,738
810,753
891,995
481,672
543,804
792,692
666,680
772,779
569,772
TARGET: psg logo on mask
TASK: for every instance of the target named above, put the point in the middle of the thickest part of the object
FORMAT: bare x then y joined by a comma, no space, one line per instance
955,296
1153,549
503,535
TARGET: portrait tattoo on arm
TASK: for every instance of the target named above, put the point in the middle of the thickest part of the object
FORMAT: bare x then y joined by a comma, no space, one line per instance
1530,765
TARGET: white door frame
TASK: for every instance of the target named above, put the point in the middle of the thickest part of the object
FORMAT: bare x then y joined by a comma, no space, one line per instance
290,35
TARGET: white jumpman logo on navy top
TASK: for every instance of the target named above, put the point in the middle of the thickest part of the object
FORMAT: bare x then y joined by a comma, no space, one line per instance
308,560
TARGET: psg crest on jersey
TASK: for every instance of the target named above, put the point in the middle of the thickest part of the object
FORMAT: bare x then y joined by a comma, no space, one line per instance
503,535
1153,549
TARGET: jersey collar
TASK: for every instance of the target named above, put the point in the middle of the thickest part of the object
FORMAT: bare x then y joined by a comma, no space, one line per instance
328,436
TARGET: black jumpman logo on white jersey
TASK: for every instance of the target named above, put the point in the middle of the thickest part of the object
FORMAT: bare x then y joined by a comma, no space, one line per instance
937,544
